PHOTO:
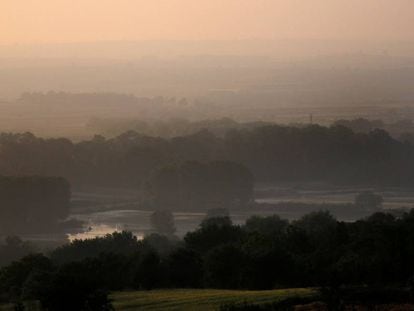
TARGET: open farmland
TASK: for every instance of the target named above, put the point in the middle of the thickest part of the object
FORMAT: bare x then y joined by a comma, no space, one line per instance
199,299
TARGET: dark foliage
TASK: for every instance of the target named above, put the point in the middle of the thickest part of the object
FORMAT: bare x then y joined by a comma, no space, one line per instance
270,152
194,185
13,249
33,204
265,253
162,222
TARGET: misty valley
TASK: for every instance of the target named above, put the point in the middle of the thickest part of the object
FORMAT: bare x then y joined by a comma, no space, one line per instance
251,168
207,155
247,206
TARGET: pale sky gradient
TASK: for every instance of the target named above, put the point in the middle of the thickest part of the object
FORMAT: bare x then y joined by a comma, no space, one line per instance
44,21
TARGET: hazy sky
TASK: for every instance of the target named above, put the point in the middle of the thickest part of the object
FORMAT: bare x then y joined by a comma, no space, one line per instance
33,21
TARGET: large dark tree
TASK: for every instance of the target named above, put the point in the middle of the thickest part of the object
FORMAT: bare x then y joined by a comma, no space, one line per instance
33,204
194,185
162,222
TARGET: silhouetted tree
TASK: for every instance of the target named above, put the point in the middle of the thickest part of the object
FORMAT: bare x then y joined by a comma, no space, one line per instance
33,204
14,249
369,201
162,221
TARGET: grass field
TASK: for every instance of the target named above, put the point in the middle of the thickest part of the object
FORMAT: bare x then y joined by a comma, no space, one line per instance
199,299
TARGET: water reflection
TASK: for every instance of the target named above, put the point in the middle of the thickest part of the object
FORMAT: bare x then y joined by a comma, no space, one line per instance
137,221
100,230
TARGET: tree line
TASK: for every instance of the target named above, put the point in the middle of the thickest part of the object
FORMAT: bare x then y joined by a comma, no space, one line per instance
264,253
272,153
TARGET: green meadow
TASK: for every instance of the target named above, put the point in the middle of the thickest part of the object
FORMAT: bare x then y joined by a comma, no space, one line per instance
199,299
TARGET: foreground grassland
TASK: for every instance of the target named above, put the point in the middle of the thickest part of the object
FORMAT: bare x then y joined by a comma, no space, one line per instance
199,299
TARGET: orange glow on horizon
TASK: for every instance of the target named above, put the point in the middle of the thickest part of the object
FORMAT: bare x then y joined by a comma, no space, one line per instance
42,21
